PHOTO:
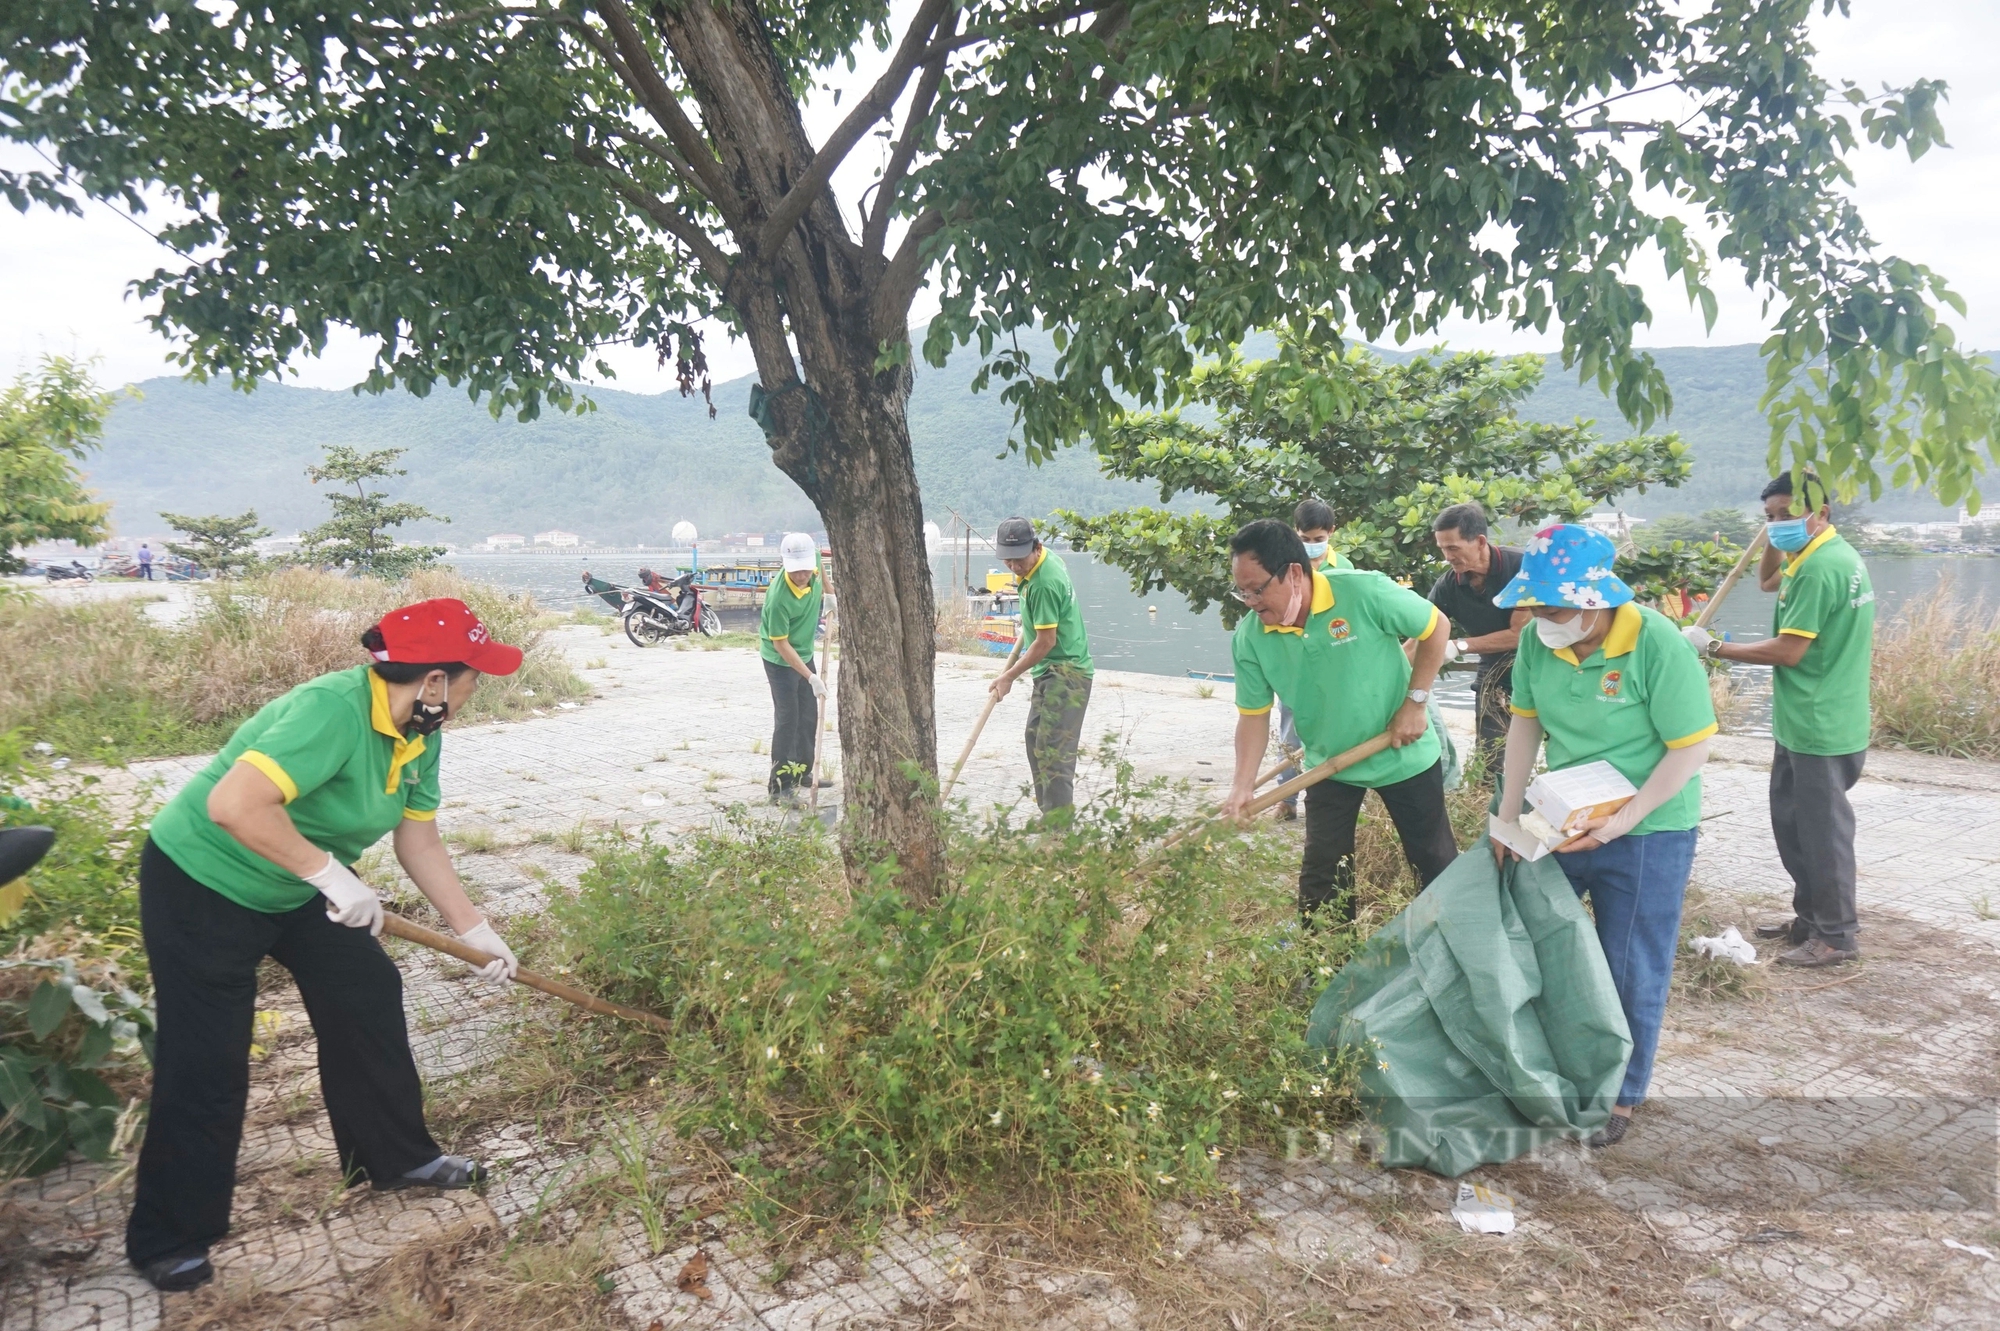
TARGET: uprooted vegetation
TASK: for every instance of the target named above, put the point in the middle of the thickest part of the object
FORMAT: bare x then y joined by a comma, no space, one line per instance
107,681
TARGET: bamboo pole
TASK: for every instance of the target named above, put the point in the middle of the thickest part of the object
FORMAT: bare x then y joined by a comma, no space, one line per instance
1729,583
398,927
992,700
1340,762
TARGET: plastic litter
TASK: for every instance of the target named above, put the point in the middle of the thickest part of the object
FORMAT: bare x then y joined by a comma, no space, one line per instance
1728,945
1972,1248
653,799
1480,1210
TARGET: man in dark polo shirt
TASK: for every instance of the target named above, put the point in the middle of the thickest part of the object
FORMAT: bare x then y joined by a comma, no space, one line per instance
1479,569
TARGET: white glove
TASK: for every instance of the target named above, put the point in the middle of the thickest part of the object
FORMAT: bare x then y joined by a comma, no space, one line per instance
819,687
503,965
1698,638
349,900
1455,650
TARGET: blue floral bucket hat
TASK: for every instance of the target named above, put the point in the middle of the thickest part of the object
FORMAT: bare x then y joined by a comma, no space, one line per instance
1566,565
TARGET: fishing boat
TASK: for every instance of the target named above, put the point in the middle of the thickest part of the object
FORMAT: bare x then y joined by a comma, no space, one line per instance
1000,629
1212,676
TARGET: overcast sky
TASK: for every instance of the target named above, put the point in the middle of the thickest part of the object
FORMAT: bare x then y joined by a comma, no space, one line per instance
63,280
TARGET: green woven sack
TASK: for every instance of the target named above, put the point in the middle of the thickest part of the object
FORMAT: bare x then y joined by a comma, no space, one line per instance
1484,1017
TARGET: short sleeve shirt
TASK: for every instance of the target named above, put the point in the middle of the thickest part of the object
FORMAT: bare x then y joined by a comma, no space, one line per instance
348,777
1471,607
1048,601
1344,674
1642,692
791,613
1821,705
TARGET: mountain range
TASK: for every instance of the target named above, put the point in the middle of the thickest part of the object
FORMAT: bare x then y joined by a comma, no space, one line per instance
639,463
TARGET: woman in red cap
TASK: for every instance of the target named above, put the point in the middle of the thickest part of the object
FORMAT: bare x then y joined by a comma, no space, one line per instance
251,860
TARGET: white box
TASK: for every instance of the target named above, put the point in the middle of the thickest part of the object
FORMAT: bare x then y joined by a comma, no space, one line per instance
1567,798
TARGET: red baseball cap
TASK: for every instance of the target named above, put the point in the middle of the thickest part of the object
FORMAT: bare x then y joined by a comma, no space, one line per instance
441,631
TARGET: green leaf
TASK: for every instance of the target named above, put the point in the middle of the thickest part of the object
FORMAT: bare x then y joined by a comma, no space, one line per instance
47,1006
19,1095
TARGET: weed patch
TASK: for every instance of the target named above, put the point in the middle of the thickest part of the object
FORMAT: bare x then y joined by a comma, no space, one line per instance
1060,1019
1936,685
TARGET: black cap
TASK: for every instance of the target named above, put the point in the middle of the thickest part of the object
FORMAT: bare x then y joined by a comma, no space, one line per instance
1015,540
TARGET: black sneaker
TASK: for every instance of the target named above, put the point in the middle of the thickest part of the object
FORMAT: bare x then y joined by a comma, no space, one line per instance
447,1173
1792,929
177,1275
1611,1133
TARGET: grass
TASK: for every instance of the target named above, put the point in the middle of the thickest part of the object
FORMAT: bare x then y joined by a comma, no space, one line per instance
1062,1021
104,681
1936,683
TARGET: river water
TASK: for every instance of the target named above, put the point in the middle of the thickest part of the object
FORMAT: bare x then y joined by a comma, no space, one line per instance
1158,634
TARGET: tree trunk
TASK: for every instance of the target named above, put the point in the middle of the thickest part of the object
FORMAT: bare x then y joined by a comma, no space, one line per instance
888,621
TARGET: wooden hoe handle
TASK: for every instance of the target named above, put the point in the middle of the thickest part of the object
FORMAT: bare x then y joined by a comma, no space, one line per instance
399,927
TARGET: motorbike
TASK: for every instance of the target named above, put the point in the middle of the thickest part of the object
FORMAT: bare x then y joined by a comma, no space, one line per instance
652,617
61,572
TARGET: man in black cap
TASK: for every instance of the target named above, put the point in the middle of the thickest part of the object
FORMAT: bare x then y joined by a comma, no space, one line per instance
1059,658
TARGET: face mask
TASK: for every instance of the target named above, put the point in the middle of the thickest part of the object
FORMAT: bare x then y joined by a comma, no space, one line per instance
1316,549
1555,634
426,718
1789,535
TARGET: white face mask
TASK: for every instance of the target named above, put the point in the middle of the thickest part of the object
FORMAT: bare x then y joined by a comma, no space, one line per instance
1556,634
1316,549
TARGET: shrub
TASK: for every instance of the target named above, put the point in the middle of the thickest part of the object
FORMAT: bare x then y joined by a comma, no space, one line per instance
66,1033
1068,1016
88,882
1936,685
106,680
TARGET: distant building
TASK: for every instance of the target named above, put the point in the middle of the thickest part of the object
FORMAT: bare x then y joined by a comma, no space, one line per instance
506,539
558,539
753,541
1614,524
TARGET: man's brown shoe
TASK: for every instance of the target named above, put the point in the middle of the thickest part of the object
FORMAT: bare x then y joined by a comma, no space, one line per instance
1817,952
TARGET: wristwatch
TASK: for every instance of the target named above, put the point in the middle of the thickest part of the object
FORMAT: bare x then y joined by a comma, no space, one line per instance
1460,647
1714,649
1420,695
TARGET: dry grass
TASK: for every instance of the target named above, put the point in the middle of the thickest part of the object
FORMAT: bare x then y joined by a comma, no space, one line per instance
469,1278
1937,677
958,628
105,680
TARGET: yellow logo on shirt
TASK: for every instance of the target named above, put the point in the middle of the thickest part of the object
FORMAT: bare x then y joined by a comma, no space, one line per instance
1609,684
1337,629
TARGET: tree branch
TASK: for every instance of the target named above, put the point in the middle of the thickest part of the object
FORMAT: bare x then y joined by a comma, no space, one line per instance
713,261
635,66
905,273
875,231
880,99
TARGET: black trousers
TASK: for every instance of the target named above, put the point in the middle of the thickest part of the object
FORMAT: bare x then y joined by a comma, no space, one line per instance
1055,732
1813,824
795,716
1416,806
204,950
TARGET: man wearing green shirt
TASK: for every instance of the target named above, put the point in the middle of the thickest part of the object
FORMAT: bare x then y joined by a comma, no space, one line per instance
1059,659
1331,643
785,641
1820,653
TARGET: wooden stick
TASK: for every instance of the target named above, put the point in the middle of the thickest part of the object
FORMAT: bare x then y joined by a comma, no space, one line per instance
1729,583
991,701
819,734
398,927
1340,762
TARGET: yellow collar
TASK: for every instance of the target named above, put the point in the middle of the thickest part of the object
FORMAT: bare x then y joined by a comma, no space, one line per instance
797,591
1322,602
1624,635
407,750
1036,567
1792,562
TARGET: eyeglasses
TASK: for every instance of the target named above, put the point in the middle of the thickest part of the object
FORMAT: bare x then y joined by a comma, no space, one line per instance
1251,598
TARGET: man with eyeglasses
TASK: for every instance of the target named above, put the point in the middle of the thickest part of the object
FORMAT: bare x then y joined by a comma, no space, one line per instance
1332,646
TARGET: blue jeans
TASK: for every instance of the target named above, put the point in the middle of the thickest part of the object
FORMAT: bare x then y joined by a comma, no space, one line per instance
1636,886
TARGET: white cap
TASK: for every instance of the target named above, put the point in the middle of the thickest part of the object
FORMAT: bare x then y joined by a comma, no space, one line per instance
797,551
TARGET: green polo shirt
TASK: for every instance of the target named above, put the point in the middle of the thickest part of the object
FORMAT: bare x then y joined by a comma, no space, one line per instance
1642,692
1335,562
1344,674
1821,704
1048,601
790,612
347,775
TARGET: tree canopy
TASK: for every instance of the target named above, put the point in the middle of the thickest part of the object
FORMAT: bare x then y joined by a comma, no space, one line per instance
360,535
49,419
219,544
1388,446
492,190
